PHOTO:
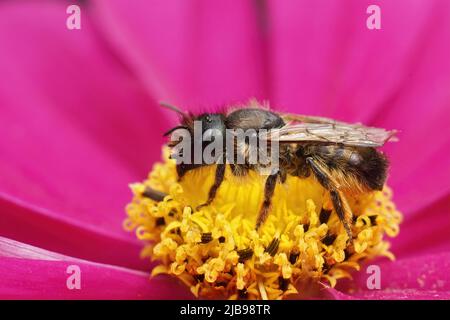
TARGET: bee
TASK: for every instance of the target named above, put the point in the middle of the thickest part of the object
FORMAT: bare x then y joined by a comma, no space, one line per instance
342,157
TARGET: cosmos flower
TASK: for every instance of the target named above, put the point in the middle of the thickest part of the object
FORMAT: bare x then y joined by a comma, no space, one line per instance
79,121
217,252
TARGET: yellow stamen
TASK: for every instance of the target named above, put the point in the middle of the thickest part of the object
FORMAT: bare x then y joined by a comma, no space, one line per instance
217,251
262,291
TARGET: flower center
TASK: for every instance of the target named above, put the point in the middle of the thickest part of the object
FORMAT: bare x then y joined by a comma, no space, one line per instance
216,250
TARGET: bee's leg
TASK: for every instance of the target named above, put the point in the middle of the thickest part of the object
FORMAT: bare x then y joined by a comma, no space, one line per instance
269,189
337,198
220,174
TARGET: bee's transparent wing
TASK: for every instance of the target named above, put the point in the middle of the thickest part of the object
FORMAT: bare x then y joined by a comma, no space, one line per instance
318,129
291,117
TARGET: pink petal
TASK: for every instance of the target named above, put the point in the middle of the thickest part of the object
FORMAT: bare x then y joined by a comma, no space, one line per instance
403,295
333,294
427,231
326,61
51,230
418,277
28,272
76,128
389,295
429,178
420,109
199,54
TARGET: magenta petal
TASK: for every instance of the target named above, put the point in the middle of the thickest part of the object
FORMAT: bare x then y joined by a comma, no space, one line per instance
199,53
420,110
333,294
50,230
76,128
388,295
432,224
427,183
326,61
419,277
28,272
406,294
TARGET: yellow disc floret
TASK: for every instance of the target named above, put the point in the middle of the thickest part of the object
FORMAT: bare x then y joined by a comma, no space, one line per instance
217,252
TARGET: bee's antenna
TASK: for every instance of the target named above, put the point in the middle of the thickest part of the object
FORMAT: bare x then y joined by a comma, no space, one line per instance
173,108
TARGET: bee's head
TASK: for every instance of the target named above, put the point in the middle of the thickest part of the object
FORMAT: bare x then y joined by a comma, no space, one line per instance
211,124
202,127
205,122
192,136
209,129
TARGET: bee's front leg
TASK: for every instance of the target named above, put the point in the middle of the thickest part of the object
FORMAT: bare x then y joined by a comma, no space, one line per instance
218,179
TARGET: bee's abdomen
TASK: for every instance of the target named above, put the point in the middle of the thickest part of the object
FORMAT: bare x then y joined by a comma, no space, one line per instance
373,168
368,165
